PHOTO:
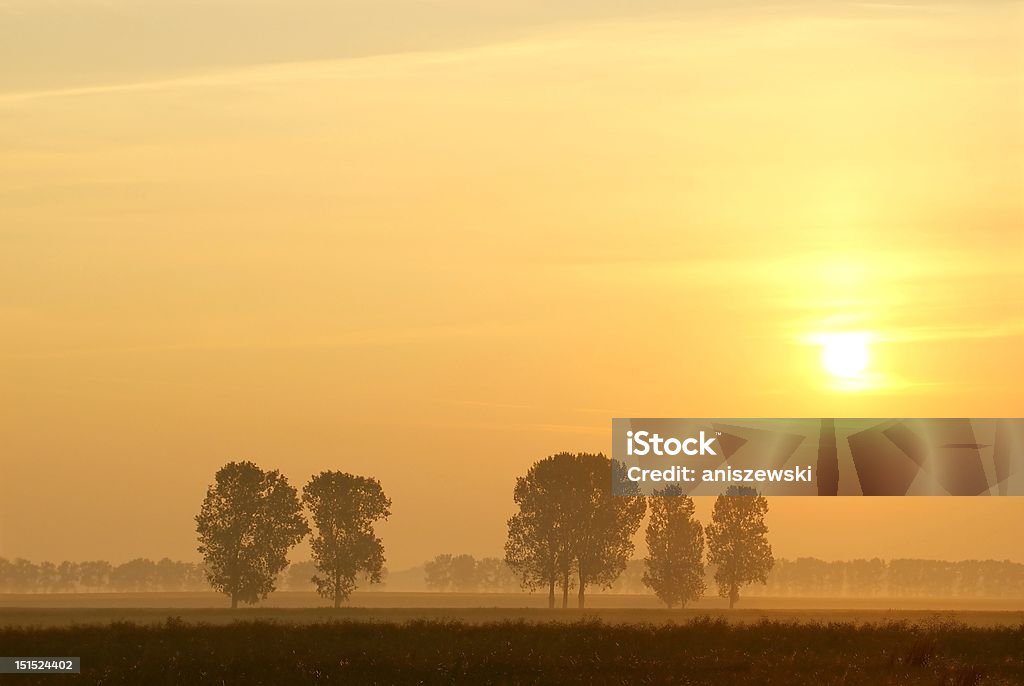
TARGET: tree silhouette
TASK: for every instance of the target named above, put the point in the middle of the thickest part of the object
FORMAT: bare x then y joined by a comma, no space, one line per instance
136,575
24,576
494,575
94,574
463,573
68,576
46,576
569,522
675,545
737,541
249,520
605,524
344,508
538,548
437,573
172,575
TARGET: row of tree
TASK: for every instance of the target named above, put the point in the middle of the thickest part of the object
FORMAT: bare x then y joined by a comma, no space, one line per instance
138,575
251,518
737,543
900,578
466,574
809,577
804,577
570,531
299,577
24,576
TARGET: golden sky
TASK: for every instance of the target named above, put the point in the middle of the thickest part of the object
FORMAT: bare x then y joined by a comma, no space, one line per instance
434,242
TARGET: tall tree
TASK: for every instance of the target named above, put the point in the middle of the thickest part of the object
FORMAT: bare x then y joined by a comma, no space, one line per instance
738,541
569,523
249,520
538,548
675,549
605,523
344,508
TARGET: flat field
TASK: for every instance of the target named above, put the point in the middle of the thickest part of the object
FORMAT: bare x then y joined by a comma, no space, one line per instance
699,651
122,641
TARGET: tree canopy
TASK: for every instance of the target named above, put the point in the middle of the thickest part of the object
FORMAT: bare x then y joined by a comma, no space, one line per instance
569,523
738,541
249,520
344,508
674,567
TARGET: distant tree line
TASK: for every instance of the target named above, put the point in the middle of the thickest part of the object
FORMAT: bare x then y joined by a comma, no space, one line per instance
96,576
299,577
465,573
809,577
899,578
804,577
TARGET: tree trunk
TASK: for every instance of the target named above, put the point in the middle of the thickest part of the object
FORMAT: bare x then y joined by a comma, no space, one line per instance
734,595
551,593
234,601
579,596
565,589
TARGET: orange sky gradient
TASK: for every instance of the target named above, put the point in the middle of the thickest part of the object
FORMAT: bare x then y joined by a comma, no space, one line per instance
465,238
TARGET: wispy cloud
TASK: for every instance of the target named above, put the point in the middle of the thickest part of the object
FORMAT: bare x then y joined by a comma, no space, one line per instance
354,339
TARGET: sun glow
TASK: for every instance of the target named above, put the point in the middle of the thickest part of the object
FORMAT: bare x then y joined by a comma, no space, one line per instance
845,356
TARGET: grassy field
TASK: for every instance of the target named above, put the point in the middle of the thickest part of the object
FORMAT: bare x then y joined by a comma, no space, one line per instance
475,608
404,599
481,639
699,651
64,617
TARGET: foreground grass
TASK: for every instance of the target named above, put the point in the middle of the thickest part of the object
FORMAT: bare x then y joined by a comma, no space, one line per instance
55,616
701,651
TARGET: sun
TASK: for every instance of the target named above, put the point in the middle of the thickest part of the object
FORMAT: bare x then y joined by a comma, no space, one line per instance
845,355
